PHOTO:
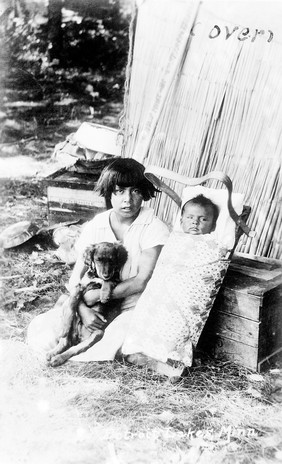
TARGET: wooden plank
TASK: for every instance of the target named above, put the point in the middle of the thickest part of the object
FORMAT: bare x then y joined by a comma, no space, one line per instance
59,216
226,349
251,285
242,283
269,263
74,180
245,355
254,272
84,198
83,174
70,191
271,285
270,336
264,269
238,303
68,208
234,327
246,319
255,262
60,212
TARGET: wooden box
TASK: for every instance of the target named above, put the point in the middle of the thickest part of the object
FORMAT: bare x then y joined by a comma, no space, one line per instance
245,324
70,192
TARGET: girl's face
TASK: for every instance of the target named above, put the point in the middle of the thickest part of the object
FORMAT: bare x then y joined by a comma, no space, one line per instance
197,220
126,201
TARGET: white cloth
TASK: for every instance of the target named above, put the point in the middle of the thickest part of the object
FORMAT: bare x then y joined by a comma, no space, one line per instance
171,313
107,348
147,231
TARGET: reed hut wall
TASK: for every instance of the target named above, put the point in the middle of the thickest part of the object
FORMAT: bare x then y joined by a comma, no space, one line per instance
204,92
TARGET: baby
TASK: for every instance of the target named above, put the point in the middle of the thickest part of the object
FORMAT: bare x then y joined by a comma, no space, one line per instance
199,216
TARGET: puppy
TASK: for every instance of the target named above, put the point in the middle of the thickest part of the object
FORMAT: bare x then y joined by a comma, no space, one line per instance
104,261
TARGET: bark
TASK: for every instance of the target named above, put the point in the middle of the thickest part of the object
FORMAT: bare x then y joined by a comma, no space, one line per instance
55,29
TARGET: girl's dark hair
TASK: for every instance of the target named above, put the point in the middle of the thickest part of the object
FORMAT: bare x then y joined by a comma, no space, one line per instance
205,202
124,172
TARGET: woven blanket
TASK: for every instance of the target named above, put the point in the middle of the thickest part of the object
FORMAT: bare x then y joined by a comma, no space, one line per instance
171,313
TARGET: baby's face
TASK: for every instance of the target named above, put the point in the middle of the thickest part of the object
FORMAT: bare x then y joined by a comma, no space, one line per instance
196,219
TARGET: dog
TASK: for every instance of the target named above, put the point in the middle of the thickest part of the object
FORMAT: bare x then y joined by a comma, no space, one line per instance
104,261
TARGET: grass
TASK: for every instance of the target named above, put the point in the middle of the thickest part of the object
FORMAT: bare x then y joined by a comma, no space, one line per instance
113,413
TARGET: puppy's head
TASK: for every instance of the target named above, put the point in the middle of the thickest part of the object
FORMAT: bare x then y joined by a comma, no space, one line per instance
105,258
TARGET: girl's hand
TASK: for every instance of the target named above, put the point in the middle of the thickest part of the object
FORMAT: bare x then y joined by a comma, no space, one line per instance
91,319
92,296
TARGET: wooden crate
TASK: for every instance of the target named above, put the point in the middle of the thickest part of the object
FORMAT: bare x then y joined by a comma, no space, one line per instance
245,324
70,192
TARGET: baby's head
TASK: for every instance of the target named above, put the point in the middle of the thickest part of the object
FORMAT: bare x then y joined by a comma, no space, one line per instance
199,216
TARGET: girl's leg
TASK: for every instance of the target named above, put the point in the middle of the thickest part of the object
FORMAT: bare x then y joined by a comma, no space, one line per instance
45,330
107,348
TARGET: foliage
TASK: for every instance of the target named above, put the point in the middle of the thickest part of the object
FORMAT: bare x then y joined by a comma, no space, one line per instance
217,413
88,43
99,412
96,43
88,78
23,43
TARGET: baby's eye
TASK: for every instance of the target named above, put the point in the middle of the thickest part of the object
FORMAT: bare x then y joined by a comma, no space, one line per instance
136,191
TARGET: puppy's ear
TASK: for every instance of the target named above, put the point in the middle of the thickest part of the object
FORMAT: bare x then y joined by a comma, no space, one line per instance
122,254
88,255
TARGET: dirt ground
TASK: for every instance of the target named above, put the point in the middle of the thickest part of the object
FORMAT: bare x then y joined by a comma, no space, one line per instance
104,412
110,412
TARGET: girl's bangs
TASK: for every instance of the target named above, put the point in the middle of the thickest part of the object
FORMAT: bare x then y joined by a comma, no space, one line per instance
130,178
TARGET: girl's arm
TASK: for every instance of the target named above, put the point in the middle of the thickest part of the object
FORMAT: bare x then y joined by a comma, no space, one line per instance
89,318
124,289
77,273
138,283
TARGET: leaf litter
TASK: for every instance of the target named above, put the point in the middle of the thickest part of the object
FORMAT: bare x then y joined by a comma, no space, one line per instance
111,412
95,411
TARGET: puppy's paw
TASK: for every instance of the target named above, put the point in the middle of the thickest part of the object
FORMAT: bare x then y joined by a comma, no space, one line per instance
104,298
57,360
105,295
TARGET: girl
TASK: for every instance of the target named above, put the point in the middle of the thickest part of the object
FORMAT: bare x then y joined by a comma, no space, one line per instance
123,184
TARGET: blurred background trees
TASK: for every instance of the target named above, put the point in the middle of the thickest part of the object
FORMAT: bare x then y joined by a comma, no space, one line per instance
89,34
61,60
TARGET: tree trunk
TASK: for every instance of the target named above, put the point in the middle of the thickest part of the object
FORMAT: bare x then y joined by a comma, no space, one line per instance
55,29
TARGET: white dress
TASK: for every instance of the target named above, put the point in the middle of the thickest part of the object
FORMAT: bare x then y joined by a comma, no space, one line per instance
147,231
